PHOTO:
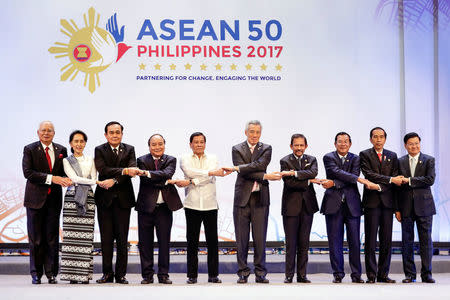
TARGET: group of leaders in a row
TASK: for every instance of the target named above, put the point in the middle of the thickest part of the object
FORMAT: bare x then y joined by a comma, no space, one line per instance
392,186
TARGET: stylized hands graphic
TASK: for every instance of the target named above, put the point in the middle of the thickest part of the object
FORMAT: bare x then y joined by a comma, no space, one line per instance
106,47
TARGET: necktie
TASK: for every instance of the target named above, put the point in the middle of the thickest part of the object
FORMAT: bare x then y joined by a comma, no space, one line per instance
412,166
255,187
379,156
115,151
49,161
343,160
156,164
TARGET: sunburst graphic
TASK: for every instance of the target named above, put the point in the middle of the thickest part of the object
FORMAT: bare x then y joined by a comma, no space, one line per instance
90,50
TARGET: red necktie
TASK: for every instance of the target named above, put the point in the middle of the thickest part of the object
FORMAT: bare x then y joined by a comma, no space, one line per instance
49,161
379,156
156,164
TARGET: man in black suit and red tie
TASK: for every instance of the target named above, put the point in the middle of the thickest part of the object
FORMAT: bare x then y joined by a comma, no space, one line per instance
298,205
43,168
156,201
341,206
116,164
380,166
416,205
251,200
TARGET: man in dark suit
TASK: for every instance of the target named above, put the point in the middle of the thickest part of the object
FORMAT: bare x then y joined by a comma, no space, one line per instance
116,164
380,166
342,205
251,200
416,204
298,205
43,168
156,201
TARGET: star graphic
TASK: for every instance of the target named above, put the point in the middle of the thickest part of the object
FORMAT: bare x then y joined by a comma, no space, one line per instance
157,67
172,66
142,66
248,67
203,67
233,67
263,67
278,67
187,66
218,67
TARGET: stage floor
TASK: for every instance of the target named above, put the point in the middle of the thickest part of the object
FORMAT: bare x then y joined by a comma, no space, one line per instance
14,287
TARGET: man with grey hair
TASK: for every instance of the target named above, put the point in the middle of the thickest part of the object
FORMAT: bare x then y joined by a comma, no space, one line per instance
42,166
251,200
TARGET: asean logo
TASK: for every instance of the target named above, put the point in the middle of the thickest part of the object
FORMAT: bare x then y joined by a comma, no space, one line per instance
91,49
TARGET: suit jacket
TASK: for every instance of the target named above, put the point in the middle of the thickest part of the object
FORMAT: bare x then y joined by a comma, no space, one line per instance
110,166
35,169
149,188
417,196
345,177
252,167
379,173
296,190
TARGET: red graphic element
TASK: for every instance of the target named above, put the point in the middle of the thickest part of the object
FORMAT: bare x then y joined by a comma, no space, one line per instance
122,48
82,53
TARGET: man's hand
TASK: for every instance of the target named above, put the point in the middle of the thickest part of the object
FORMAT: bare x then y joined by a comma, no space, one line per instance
182,182
316,181
219,172
133,171
397,180
107,183
398,216
272,176
372,186
286,173
405,180
230,169
326,183
363,181
62,181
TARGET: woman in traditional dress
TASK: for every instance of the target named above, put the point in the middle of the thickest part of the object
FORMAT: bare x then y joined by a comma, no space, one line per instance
78,213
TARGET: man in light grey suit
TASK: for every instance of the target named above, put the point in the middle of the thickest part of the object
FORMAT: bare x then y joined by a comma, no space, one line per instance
251,200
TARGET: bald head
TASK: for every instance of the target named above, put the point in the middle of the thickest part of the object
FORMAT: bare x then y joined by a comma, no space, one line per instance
46,132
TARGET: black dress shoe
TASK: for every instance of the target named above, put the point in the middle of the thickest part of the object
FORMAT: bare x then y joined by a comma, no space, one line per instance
164,280
303,279
147,280
370,280
261,279
428,279
73,282
106,278
242,279
191,280
52,280
214,280
85,282
288,279
409,279
35,279
122,280
337,279
385,279
357,279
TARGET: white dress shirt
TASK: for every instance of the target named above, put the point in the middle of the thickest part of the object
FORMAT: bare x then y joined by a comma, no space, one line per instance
201,195
51,153
87,167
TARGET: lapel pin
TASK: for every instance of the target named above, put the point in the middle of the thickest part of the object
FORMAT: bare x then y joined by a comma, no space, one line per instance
347,160
389,159
420,161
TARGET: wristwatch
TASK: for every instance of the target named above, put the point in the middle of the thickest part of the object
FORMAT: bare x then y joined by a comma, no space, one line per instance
190,181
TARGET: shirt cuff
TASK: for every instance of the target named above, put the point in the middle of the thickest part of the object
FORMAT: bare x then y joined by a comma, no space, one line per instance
390,180
49,179
409,179
379,187
150,175
123,170
195,181
308,182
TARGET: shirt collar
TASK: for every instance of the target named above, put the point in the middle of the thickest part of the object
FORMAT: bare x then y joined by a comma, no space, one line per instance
345,156
301,157
112,148
250,145
50,147
414,157
203,156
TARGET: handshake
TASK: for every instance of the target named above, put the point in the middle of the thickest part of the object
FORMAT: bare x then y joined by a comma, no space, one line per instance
221,172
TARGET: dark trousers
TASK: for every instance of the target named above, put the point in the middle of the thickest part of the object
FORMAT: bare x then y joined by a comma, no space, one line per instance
335,230
424,225
161,220
297,230
378,221
43,238
256,215
114,222
194,219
